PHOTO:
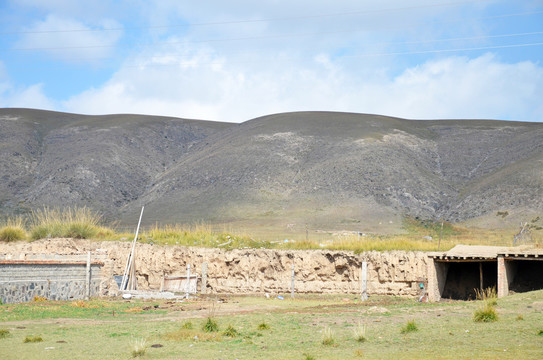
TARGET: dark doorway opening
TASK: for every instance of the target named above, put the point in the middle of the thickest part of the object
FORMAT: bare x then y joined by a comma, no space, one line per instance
463,278
528,275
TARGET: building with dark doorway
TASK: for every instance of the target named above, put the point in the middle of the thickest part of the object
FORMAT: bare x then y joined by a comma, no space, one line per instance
460,272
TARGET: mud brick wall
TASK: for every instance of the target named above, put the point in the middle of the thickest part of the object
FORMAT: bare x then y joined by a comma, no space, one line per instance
252,271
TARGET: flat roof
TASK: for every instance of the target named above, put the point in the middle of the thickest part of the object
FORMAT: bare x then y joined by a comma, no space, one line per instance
487,253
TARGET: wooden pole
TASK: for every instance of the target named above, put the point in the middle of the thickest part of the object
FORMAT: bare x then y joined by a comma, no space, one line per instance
88,276
481,275
204,278
364,282
292,283
130,258
188,281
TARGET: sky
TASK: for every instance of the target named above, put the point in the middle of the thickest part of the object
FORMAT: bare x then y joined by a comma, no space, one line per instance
241,59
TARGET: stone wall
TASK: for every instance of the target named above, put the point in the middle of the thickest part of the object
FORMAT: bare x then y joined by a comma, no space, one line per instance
251,270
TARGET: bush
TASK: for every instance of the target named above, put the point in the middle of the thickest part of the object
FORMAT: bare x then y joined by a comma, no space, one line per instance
411,326
4,333
263,326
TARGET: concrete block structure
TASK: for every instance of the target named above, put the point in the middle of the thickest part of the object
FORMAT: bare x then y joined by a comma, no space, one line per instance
52,277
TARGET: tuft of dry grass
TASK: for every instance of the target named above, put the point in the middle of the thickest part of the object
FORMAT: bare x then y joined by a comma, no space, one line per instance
139,347
83,304
78,223
32,339
328,337
13,230
486,310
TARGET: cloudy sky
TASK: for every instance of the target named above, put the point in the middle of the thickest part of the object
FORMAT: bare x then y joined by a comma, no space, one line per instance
240,59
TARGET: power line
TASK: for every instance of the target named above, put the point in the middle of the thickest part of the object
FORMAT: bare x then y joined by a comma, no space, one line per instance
435,51
287,18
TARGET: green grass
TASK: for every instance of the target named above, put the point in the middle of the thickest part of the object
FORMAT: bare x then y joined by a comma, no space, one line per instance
230,331
210,325
295,329
409,327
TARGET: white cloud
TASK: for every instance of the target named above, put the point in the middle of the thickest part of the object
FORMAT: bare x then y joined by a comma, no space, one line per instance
199,84
24,97
60,38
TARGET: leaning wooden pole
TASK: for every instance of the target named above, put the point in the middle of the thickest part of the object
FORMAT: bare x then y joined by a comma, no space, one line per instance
130,259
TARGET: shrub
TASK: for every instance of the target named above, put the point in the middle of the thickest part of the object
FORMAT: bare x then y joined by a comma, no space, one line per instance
32,339
230,331
308,357
39,298
210,325
263,326
4,333
328,337
540,333
411,326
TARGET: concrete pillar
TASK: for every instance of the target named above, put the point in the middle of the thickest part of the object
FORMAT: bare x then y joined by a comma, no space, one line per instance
433,286
503,282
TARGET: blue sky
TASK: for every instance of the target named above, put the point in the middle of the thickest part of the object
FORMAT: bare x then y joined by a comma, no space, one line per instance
237,60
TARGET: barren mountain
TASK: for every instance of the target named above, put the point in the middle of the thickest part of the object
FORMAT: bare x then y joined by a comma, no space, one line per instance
319,169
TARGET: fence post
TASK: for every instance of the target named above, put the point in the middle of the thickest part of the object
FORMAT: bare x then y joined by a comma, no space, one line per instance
87,277
188,281
292,283
204,278
364,281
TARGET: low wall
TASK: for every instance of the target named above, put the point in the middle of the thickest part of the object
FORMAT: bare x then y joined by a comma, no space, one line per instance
23,281
252,270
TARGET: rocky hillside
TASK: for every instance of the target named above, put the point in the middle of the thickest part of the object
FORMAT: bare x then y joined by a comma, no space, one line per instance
317,169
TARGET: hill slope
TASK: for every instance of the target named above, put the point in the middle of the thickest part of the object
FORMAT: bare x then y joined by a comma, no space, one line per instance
317,169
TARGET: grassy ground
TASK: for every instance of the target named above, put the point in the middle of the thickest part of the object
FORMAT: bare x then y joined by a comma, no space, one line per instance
273,329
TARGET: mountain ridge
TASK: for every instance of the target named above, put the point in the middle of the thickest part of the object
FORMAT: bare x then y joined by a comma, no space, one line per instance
321,169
